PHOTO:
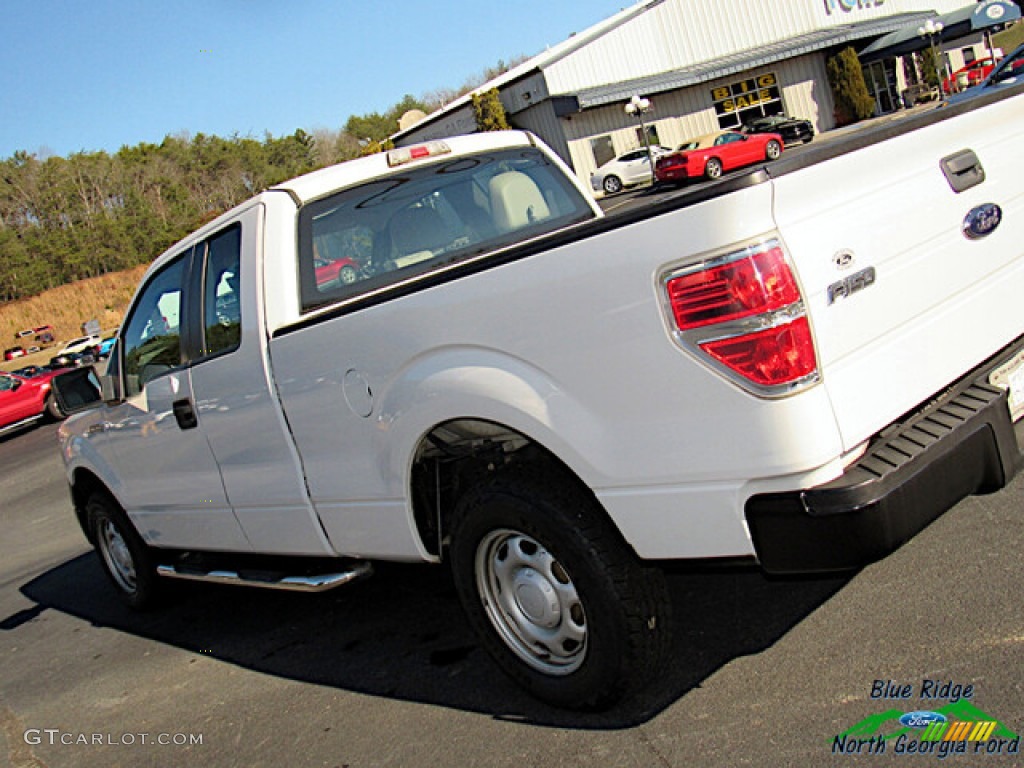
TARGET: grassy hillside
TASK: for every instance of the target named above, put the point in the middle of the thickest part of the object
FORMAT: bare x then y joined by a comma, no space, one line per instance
102,298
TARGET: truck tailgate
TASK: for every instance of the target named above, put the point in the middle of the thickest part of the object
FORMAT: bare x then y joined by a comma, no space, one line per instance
902,301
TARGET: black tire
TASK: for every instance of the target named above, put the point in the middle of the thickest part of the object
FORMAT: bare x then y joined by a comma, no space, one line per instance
123,554
553,593
772,150
53,411
612,185
713,168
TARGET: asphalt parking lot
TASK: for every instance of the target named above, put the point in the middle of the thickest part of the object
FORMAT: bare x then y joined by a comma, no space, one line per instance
386,673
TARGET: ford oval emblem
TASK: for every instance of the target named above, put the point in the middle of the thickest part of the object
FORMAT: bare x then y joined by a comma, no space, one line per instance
921,719
982,221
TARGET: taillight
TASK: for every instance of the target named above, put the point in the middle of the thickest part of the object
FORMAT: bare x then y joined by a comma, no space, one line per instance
744,312
761,282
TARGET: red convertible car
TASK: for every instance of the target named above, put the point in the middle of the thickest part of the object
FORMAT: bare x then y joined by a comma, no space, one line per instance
711,155
969,76
344,270
26,399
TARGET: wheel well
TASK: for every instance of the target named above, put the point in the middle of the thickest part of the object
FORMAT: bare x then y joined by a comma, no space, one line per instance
455,456
83,486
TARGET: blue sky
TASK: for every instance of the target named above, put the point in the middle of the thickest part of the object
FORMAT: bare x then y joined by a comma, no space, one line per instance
86,76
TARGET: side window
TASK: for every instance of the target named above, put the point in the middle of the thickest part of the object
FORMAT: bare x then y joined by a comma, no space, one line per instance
603,150
222,317
152,338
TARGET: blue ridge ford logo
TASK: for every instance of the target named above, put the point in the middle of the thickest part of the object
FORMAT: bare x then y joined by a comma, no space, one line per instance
921,719
982,221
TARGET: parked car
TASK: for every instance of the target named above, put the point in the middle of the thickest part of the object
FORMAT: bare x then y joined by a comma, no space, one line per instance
82,344
13,353
106,345
715,153
344,271
625,170
1009,71
968,76
72,359
24,400
793,130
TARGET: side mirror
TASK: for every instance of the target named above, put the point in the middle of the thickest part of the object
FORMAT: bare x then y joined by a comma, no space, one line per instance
15,385
77,390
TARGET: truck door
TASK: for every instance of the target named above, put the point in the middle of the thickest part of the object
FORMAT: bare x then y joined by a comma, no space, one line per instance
234,403
169,479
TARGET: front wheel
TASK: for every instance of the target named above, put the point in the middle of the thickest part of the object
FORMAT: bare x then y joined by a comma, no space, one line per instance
612,185
772,150
555,596
123,554
53,409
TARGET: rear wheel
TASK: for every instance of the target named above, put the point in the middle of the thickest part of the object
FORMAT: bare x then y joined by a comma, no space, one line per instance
347,275
612,184
713,168
555,596
123,554
772,150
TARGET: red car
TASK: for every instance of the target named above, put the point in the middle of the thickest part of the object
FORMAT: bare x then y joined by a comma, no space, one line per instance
969,76
24,400
711,155
328,273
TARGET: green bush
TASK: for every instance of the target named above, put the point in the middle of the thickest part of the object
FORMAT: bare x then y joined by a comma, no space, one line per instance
849,91
490,113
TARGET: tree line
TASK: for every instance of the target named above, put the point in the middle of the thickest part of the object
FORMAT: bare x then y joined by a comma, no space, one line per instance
64,219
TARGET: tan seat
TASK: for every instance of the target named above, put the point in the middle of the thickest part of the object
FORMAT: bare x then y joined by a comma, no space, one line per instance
516,201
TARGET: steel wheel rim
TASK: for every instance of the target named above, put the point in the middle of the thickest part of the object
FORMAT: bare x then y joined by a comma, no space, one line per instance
117,556
612,185
532,602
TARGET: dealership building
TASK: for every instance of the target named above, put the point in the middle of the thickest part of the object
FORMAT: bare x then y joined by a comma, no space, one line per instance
706,65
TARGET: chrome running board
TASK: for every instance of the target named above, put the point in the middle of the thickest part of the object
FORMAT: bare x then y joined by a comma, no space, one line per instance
320,582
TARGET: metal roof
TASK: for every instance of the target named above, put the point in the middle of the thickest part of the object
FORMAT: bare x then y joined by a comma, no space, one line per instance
743,61
543,59
954,24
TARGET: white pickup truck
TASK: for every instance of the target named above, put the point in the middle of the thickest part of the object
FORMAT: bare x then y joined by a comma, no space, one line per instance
446,353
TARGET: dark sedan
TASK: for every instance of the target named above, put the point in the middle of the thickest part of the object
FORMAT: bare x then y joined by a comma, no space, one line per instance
793,130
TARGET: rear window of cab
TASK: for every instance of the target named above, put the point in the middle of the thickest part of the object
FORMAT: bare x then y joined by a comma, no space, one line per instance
426,217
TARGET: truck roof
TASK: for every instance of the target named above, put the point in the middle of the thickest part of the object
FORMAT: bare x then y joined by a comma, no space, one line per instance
326,180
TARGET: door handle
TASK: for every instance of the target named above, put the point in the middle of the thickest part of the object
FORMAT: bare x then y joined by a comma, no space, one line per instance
185,414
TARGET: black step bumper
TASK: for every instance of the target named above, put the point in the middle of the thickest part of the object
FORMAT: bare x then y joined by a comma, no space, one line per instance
959,444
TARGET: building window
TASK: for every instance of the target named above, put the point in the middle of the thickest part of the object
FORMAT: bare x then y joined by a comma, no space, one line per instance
603,150
652,136
743,100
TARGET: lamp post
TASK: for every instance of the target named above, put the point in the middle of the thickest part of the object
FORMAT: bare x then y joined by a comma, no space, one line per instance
932,29
637,107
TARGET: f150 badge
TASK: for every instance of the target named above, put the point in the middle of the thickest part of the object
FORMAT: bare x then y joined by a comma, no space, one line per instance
848,286
982,221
